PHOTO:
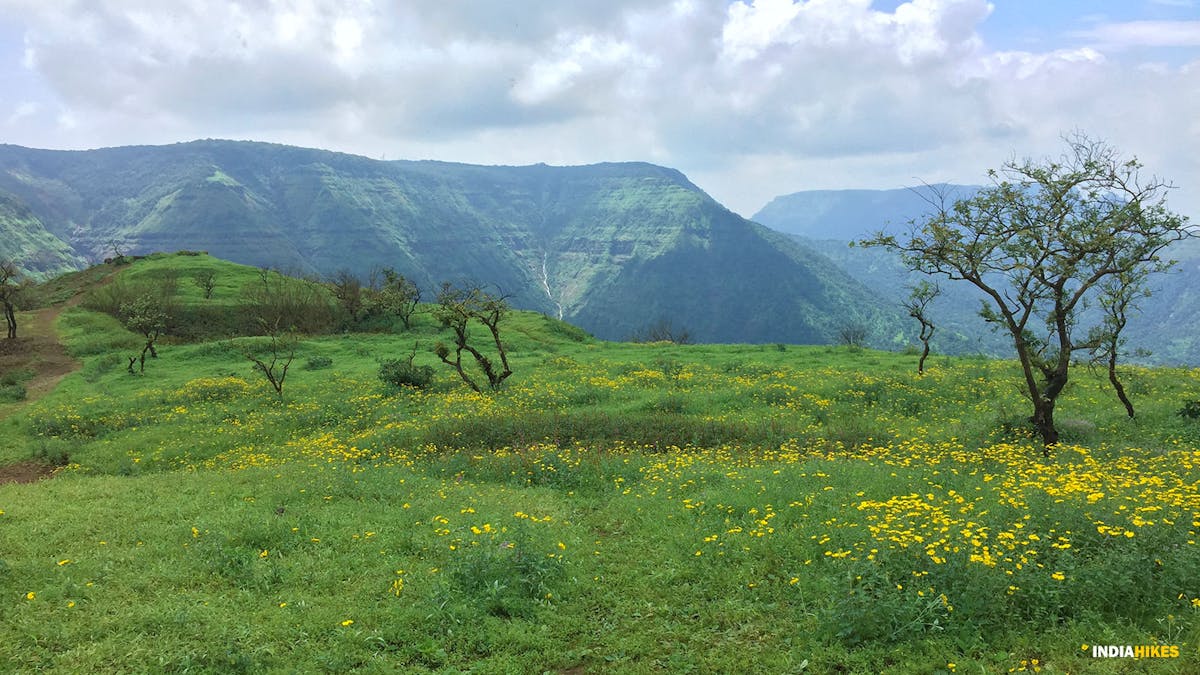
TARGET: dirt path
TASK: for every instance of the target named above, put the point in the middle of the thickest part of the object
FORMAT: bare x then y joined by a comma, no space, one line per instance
39,350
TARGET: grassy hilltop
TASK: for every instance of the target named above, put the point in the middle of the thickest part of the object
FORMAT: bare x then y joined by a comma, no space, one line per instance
614,508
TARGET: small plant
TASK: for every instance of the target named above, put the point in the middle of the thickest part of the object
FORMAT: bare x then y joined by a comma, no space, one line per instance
405,373
11,393
52,451
318,362
1190,410
149,315
12,385
11,377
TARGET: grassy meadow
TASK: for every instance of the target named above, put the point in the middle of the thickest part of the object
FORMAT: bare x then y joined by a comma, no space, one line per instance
614,508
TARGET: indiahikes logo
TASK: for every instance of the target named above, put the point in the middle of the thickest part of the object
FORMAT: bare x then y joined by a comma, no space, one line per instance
1134,651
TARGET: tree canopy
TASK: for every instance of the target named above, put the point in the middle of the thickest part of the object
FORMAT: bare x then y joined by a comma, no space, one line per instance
1045,241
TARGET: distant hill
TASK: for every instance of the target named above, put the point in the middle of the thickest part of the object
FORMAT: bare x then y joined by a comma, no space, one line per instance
827,220
41,254
610,247
846,215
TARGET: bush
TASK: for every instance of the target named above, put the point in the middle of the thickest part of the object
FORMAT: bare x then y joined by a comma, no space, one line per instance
53,451
12,385
318,362
1190,410
399,373
11,393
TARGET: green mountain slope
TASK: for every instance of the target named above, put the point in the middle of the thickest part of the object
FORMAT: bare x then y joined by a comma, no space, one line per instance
26,241
611,247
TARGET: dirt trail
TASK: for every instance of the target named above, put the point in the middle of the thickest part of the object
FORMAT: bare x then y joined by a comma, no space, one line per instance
38,349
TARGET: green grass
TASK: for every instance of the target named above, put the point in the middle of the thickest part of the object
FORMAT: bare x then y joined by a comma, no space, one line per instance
615,508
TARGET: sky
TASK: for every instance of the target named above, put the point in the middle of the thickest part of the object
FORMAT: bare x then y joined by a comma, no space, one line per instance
750,98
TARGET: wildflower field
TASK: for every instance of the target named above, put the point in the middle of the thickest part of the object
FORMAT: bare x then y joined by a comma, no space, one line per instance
615,508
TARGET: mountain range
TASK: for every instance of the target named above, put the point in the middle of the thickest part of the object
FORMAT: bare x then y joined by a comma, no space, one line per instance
613,248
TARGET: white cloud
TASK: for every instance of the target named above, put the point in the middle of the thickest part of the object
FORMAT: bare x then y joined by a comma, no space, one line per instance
1144,34
24,109
752,99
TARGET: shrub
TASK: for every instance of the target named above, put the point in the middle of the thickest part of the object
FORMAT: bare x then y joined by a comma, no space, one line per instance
1190,410
318,362
399,373
12,387
53,451
11,393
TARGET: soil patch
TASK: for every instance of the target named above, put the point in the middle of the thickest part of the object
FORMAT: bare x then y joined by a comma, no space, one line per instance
24,472
37,351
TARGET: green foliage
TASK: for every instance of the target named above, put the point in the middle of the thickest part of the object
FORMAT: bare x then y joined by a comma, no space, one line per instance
318,363
1190,410
277,302
38,254
12,377
457,309
563,329
12,392
507,575
872,606
392,295
1042,243
206,281
400,374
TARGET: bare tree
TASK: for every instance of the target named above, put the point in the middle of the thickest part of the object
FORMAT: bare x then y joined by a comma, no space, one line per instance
11,287
457,309
206,281
918,308
852,334
275,358
1041,243
1117,300
290,303
663,330
276,304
